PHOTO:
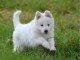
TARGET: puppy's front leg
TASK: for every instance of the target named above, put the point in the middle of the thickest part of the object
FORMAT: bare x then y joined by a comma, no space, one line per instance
52,44
43,42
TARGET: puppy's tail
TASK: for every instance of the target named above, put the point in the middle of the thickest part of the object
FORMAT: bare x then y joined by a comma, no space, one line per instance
16,20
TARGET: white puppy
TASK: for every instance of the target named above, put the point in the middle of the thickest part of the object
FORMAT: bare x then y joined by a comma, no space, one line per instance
40,31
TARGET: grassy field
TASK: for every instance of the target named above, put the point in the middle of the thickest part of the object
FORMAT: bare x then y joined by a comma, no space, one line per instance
67,26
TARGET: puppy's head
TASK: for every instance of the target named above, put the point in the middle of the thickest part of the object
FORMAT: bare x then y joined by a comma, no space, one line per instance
44,21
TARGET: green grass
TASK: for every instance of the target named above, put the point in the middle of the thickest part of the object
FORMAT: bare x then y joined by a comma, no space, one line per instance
67,26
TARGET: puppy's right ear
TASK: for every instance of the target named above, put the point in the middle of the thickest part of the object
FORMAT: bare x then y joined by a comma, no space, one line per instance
48,14
38,15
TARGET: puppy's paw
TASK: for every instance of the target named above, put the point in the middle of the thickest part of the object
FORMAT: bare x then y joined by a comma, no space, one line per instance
52,48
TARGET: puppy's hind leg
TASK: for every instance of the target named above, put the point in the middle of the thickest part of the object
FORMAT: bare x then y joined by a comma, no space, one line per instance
15,48
16,45
19,48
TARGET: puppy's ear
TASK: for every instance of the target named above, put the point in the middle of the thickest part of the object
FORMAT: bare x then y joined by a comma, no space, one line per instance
38,15
48,14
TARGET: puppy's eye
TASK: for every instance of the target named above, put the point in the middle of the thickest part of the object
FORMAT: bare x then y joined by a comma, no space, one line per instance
48,24
41,24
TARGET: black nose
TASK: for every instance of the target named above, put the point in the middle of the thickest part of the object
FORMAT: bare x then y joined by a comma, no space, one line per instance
46,31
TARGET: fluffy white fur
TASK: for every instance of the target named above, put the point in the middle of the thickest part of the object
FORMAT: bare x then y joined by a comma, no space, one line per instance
33,33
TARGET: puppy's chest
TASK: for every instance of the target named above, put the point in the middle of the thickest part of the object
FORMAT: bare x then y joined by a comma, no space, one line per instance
46,36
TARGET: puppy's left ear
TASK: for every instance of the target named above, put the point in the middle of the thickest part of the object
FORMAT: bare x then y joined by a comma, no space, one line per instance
38,15
48,14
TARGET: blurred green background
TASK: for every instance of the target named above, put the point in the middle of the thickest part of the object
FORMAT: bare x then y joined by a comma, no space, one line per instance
67,26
